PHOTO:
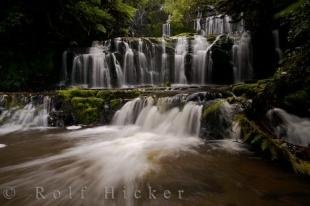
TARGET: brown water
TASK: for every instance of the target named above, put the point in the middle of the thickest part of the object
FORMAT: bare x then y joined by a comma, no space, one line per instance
58,167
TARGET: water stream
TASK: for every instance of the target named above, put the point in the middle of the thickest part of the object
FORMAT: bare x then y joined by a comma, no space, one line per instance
150,155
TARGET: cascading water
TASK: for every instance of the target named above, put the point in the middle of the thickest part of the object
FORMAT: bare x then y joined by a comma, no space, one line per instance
157,118
242,58
142,135
91,70
119,71
154,72
166,28
130,73
131,62
143,65
181,50
290,128
64,69
164,63
200,60
32,115
276,38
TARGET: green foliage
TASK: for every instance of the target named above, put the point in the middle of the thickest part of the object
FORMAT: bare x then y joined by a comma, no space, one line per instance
184,11
34,33
149,18
297,16
272,148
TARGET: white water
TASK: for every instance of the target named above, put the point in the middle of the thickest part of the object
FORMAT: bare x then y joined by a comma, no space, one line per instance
242,58
164,63
142,64
181,50
119,71
166,28
25,117
276,38
130,73
290,128
200,60
64,69
123,155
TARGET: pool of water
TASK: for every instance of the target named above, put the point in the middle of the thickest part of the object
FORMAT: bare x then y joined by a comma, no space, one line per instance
124,165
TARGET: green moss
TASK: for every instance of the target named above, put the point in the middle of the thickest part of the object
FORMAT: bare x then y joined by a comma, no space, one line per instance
216,123
211,38
185,34
248,90
252,89
76,92
118,94
116,104
87,110
276,150
87,106
213,110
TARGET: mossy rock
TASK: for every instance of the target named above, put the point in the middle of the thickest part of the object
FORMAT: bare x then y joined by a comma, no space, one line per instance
248,90
87,110
211,38
265,143
216,122
185,34
116,104
76,92
118,94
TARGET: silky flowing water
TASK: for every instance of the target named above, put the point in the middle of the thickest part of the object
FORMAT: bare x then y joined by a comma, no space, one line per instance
150,155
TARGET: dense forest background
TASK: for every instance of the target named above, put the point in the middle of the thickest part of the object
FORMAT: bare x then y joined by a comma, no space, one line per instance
34,33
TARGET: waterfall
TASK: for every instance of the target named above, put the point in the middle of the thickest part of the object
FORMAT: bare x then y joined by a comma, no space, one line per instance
276,38
290,128
117,42
164,63
143,64
130,73
122,157
135,62
64,69
129,112
119,71
160,118
100,71
200,60
31,115
166,28
198,25
242,58
154,71
181,50
221,24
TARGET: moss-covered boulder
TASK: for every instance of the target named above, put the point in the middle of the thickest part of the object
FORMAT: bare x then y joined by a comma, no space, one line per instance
216,120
